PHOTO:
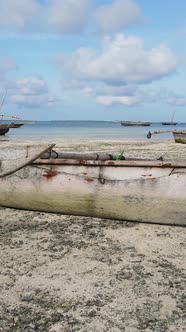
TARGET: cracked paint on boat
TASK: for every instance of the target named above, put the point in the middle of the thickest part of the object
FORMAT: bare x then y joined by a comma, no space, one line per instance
124,194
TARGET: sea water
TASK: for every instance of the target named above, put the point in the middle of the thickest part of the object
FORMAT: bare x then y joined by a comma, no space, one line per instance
52,131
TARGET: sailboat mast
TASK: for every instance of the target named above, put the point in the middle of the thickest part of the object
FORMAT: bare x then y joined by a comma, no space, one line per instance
173,114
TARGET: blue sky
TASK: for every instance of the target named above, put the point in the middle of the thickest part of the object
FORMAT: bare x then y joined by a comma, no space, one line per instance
93,59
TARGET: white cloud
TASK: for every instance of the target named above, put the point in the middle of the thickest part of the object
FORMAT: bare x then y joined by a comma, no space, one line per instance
117,15
115,73
16,14
31,92
33,101
30,86
122,60
124,100
163,96
67,16
170,97
117,90
6,64
177,100
53,16
128,95
87,91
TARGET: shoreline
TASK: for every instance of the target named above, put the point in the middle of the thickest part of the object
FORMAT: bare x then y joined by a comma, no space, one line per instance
133,149
69,273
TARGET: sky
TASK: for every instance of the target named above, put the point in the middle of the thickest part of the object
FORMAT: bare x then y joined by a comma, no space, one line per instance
93,59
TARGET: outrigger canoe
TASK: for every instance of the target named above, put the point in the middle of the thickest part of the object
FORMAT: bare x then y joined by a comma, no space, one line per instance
41,179
135,123
179,135
4,128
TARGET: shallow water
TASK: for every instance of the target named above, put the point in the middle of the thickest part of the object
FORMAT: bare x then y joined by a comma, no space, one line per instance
83,130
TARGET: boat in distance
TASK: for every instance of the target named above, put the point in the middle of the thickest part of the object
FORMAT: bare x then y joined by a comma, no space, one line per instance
171,123
133,123
35,177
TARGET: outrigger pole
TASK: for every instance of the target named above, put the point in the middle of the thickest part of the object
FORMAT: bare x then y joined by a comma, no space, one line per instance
150,133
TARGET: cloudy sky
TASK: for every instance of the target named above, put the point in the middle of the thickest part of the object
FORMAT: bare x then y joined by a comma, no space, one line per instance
93,59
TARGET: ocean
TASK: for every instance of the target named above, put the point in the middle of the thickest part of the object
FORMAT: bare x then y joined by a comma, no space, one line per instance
52,131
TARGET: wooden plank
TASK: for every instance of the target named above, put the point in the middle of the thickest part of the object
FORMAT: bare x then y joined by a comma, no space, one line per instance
150,133
114,163
13,159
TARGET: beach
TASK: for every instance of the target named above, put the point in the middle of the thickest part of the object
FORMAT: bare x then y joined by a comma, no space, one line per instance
68,273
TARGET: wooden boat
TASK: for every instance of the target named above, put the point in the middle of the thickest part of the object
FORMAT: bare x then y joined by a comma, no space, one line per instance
169,123
91,185
16,125
179,136
4,129
132,123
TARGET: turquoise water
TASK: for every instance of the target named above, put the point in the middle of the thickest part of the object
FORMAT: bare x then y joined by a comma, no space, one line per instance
85,130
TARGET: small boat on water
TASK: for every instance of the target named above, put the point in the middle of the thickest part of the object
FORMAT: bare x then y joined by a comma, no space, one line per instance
38,178
4,129
132,123
169,123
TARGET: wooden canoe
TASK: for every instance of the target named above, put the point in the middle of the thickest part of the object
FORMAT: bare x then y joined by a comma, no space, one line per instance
135,124
16,124
4,128
179,136
171,123
136,190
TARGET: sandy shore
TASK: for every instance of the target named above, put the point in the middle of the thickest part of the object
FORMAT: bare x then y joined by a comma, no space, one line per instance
67,274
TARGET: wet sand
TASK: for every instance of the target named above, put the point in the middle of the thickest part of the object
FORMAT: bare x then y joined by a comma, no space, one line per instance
66,273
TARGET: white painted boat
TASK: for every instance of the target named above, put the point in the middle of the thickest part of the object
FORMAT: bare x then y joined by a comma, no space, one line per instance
136,190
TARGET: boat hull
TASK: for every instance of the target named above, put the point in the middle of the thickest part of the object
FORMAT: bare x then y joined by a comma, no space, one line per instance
135,124
180,137
16,125
142,194
4,129
169,123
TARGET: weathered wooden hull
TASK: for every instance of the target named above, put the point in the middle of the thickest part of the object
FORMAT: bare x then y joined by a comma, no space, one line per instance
16,125
135,124
169,123
111,190
4,129
180,136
